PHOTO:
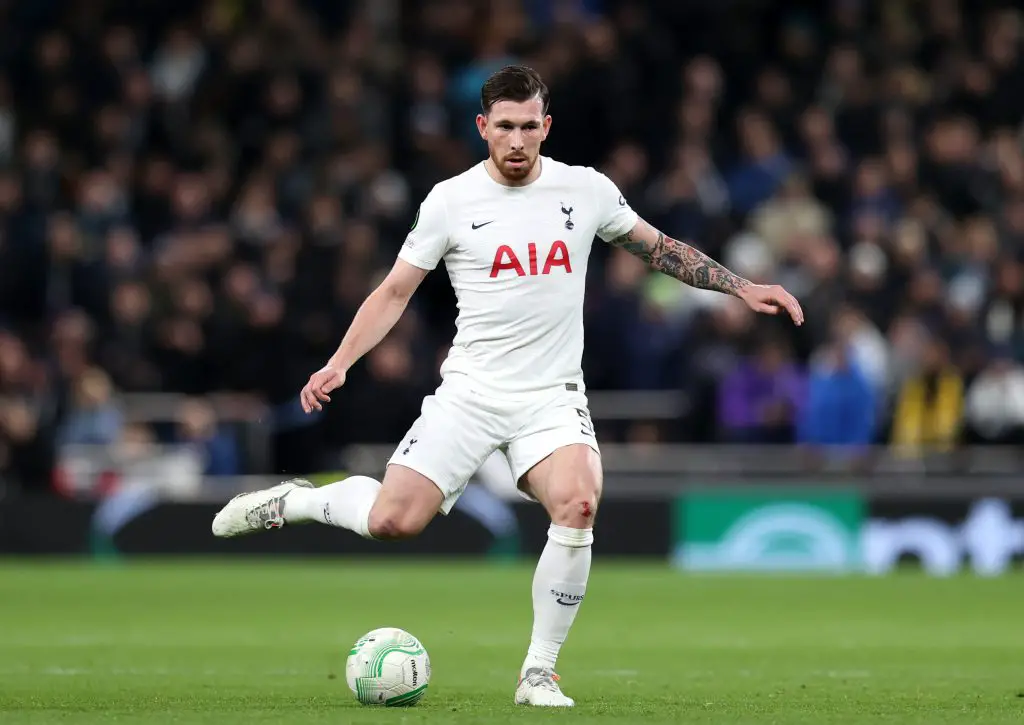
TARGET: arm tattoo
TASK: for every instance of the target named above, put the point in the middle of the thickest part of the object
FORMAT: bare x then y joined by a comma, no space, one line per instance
683,262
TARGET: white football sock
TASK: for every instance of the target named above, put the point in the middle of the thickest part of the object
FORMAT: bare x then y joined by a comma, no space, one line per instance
345,504
558,588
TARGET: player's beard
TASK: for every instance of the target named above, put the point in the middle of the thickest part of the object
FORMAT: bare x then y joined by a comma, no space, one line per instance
514,172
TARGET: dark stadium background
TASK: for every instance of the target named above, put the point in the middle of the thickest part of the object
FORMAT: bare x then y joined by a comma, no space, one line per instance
196,196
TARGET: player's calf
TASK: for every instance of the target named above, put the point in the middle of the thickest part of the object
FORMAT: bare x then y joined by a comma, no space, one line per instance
568,484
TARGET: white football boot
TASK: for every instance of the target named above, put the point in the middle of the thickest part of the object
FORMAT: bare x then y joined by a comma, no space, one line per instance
256,511
539,687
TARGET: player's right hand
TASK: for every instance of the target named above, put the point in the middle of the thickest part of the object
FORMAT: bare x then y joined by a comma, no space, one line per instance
770,299
320,384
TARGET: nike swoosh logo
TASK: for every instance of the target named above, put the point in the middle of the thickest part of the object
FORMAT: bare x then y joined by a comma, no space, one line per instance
477,226
568,604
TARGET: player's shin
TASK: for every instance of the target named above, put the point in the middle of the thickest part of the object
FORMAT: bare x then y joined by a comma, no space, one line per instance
345,504
559,585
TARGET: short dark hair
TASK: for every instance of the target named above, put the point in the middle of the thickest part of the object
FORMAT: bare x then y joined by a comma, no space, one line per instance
516,83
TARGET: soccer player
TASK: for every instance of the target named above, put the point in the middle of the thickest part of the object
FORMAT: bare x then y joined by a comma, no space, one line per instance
515,233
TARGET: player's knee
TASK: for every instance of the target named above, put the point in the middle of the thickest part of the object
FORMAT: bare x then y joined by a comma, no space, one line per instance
576,509
391,524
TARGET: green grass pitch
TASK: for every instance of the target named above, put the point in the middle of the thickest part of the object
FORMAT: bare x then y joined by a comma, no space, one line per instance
254,641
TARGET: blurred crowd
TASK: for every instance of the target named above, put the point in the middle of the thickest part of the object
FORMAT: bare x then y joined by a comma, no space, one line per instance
196,196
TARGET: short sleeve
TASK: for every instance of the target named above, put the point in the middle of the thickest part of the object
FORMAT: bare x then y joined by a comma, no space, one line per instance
427,240
615,215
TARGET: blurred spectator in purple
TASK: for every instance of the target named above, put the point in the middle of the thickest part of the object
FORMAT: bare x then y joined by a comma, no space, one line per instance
761,399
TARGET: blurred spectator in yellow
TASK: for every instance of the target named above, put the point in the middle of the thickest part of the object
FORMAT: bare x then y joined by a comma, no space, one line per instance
929,405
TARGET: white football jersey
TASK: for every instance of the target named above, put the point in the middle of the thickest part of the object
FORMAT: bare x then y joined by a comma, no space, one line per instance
517,259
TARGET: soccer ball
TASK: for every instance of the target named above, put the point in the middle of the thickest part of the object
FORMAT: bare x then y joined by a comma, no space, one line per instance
388,666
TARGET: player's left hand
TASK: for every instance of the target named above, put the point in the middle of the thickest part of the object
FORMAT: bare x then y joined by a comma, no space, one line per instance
769,299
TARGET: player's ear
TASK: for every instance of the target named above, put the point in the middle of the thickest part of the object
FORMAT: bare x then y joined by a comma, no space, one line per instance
547,126
481,125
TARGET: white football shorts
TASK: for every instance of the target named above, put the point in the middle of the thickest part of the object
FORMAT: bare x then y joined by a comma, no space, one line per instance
459,428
